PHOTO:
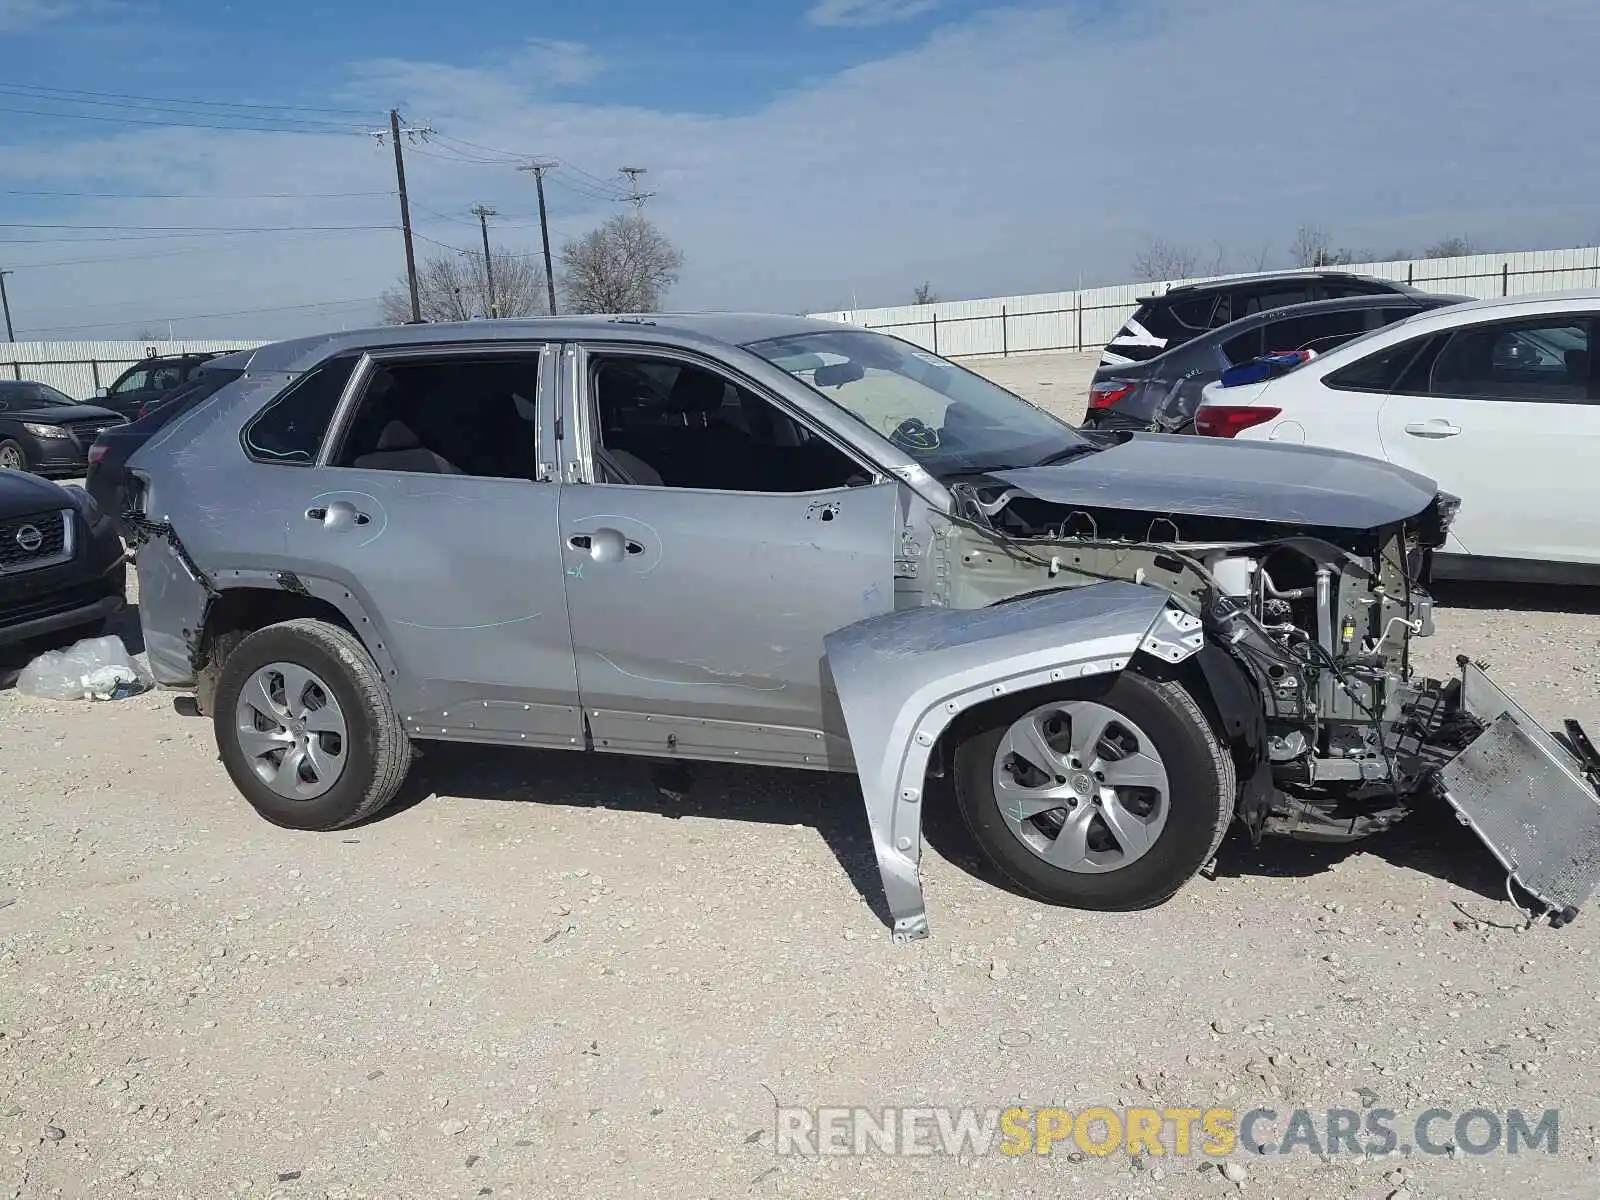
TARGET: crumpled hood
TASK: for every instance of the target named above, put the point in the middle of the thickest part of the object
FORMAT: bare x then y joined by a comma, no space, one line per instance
1217,477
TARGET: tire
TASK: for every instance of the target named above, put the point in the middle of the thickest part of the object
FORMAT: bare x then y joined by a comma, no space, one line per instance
1176,824
327,673
13,455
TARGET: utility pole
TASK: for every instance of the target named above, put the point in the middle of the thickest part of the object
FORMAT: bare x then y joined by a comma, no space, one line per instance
539,167
483,214
635,197
6,304
394,131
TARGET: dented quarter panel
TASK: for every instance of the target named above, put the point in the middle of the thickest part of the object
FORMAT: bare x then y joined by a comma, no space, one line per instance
902,678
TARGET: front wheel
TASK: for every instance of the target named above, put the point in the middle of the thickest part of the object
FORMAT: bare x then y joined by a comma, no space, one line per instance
12,455
306,727
1108,796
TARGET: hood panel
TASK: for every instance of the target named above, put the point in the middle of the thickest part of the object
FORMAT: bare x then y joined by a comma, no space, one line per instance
1218,477
22,494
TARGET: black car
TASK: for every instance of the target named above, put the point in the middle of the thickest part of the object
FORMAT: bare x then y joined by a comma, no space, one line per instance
61,562
107,479
147,382
46,431
1163,322
1162,393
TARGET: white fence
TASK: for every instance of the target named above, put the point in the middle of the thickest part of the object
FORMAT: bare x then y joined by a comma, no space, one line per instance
1089,318
80,368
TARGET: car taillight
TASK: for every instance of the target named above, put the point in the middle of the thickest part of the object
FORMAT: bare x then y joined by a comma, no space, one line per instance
1228,420
96,452
1106,395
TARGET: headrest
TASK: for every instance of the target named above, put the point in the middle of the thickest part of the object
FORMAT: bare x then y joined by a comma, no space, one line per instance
697,391
397,435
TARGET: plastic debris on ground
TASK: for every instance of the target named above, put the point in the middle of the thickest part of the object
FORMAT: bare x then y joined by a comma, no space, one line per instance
97,668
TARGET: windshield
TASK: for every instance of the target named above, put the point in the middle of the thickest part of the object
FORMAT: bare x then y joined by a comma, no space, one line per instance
32,395
949,419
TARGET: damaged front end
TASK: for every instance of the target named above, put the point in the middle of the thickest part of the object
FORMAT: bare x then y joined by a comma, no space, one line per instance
1291,610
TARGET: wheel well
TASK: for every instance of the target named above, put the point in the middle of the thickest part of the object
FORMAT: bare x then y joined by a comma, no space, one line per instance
238,612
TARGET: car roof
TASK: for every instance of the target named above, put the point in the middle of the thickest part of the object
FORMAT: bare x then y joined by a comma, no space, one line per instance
1233,281
687,330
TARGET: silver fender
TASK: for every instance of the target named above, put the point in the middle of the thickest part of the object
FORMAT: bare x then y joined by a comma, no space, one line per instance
904,676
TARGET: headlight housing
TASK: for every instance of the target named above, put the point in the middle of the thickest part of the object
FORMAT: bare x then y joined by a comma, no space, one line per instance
45,431
86,504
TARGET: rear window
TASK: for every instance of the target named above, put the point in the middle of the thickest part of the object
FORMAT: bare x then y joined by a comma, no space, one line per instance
291,428
190,396
1379,372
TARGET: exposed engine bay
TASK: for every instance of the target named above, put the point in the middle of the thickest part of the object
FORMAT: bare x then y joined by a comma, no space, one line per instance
1318,619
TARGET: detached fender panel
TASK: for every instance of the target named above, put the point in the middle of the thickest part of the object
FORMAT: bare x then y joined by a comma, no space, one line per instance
904,676
174,594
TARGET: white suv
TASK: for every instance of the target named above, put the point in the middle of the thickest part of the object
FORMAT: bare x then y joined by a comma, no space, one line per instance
1499,401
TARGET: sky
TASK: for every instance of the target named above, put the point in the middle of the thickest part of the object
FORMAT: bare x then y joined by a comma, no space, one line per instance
211,164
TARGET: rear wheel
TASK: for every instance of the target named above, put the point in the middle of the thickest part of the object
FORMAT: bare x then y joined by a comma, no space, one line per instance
1106,796
13,456
306,728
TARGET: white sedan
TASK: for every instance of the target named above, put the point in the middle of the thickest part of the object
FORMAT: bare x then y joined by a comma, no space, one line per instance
1497,400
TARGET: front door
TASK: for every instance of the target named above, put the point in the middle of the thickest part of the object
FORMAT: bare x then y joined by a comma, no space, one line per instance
431,507
710,542
1508,417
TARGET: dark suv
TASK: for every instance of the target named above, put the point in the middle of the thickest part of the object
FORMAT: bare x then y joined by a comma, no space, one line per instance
1162,393
1162,322
150,381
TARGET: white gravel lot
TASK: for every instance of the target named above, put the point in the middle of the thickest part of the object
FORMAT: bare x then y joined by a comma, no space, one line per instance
538,977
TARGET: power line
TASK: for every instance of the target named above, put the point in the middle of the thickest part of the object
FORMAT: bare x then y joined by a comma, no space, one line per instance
193,195
318,122
118,258
197,228
40,88
241,312
330,129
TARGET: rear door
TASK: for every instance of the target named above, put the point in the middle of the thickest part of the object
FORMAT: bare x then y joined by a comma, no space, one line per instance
1507,416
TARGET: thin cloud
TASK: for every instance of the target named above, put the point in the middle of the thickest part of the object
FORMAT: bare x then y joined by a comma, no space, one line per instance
867,12
22,16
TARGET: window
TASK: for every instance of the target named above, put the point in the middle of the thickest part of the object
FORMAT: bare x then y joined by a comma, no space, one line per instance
164,378
1352,287
1270,298
201,387
1316,331
1223,313
1194,315
452,415
664,423
290,429
133,381
949,419
31,395
1541,360
1246,347
1378,372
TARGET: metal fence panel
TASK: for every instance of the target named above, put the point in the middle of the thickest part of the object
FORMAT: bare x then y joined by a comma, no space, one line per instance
1089,318
80,368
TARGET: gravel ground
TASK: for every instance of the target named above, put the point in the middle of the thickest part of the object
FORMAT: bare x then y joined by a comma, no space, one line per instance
539,977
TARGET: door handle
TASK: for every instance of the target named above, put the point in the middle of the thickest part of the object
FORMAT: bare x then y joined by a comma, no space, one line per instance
605,545
1436,428
341,514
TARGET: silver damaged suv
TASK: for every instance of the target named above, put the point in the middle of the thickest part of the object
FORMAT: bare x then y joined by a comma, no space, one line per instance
780,541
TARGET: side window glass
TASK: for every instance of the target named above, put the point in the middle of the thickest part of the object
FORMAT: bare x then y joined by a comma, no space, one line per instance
290,429
1321,331
663,423
1380,371
1277,297
1193,316
133,382
1244,348
1223,313
1546,360
447,416
165,378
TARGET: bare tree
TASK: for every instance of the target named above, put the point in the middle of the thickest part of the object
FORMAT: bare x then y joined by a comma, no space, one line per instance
925,294
1312,247
1161,259
454,287
626,265
1449,247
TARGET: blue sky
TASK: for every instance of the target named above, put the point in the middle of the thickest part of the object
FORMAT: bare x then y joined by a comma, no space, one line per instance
806,155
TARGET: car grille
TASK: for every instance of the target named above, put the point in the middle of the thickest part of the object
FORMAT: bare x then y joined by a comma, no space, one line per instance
34,541
87,429
14,612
